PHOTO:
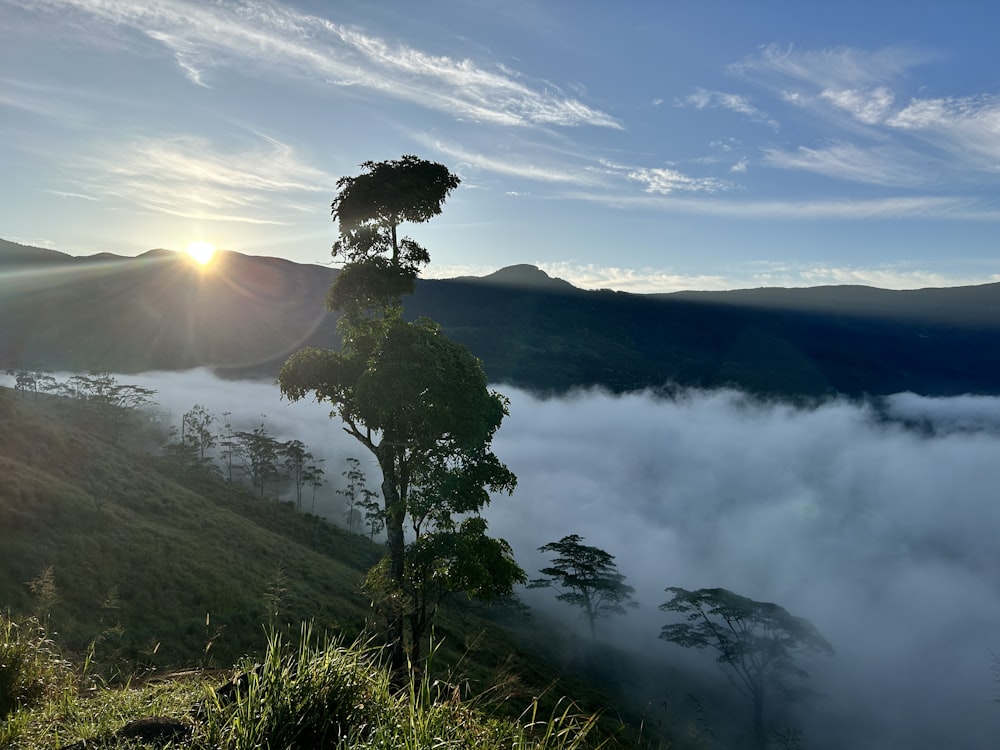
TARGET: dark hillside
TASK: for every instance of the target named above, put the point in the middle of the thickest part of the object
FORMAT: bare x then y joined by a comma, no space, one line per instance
243,315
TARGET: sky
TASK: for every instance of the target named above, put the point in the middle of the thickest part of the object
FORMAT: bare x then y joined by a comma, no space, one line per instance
637,146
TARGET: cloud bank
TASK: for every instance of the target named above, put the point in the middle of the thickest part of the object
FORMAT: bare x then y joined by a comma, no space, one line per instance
877,521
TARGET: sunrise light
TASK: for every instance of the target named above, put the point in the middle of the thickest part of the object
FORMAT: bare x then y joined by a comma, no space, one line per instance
202,252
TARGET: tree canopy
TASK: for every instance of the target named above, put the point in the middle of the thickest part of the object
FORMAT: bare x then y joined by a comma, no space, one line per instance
381,266
416,400
587,577
756,642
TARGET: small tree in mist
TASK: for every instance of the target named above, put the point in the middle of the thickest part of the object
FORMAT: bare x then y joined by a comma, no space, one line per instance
259,452
587,577
31,380
299,466
196,430
228,445
756,642
356,493
112,405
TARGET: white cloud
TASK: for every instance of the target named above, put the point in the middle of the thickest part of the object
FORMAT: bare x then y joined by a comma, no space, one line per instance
277,39
188,176
869,106
705,99
861,527
512,166
841,68
878,166
665,181
967,128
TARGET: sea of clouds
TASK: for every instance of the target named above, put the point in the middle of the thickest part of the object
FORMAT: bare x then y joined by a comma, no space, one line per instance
878,521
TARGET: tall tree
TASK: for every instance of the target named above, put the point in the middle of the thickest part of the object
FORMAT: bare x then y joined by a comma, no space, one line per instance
298,465
756,642
587,577
415,399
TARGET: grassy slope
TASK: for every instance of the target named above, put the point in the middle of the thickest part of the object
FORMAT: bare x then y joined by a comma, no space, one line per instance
165,548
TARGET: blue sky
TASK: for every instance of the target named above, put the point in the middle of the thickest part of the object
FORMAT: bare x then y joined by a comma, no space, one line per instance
640,146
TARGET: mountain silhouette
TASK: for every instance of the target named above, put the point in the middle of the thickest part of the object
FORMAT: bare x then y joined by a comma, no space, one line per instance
243,315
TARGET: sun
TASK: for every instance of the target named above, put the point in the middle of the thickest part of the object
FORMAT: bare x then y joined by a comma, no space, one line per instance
202,252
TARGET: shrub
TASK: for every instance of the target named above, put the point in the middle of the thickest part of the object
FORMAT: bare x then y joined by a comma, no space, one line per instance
31,669
314,695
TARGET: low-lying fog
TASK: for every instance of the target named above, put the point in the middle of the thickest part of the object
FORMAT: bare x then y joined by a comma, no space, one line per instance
880,523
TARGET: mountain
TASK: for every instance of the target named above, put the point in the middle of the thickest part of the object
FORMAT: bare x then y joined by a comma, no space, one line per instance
243,315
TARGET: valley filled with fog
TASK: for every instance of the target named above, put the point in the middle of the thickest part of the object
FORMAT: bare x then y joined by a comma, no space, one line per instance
877,521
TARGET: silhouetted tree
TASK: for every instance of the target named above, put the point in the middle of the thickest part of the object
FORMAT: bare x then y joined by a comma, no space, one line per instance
112,404
416,400
299,466
756,642
196,430
587,577
259,452
355,492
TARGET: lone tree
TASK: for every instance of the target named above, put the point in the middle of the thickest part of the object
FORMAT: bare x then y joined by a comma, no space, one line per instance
756,642
416,400
587,577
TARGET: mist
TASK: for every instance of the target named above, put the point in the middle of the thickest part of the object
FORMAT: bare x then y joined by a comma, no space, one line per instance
878,521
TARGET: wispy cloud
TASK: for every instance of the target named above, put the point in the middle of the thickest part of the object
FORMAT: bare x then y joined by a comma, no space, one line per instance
512,166
837,69
870,106
910,207
188,176
704,99
230,34
967,128
666,181
64,194
881,165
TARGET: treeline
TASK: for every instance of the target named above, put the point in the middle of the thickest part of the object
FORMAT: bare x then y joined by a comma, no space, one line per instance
204,442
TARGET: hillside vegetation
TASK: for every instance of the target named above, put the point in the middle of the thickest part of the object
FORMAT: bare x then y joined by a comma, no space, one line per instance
158,567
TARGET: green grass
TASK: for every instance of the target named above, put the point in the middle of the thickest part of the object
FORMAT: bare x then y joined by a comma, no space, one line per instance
305,692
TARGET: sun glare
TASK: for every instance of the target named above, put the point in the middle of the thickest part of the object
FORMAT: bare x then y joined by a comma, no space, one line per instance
202,252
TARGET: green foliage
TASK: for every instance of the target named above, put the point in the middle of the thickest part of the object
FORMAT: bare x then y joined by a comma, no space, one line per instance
369,207
588,578
315,694
31,668
414,398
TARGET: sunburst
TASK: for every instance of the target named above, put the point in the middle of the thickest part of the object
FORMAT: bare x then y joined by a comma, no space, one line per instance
202,252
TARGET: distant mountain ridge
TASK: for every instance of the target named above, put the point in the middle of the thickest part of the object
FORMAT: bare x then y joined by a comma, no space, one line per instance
243,315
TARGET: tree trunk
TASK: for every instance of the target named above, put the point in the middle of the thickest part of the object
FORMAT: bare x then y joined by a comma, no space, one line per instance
759,738
395,514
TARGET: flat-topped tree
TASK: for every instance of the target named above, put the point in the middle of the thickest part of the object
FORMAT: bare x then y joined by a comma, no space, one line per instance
586,577
756,642
416,400
381,265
